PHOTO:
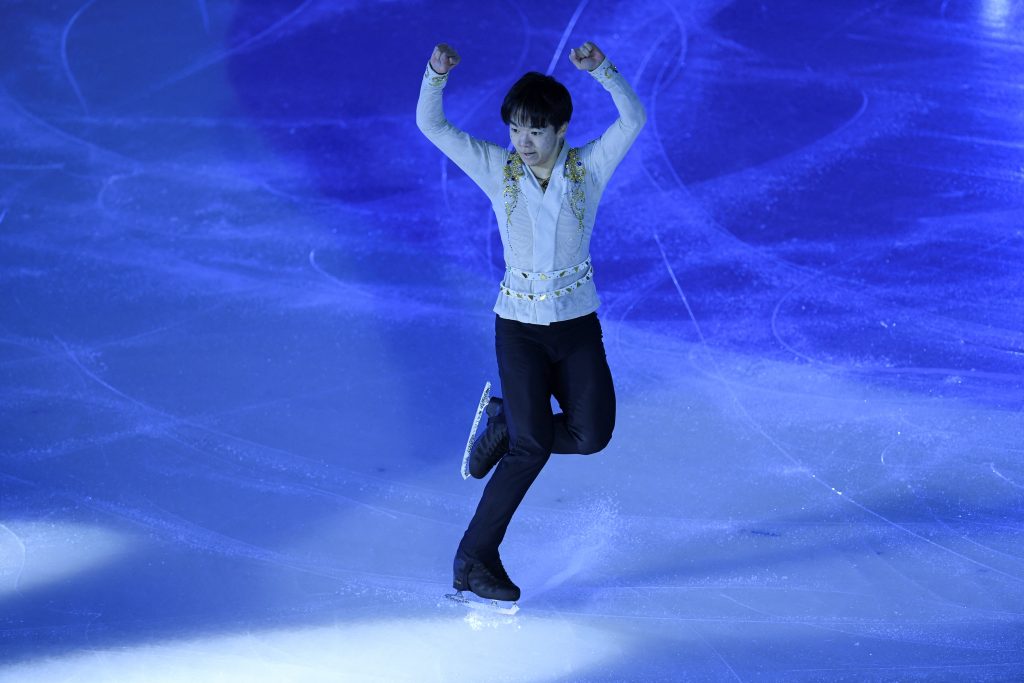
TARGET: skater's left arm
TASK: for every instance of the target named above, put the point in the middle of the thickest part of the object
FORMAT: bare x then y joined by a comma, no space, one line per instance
607,151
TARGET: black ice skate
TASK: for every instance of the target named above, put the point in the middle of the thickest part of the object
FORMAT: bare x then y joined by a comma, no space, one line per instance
486,579
493,444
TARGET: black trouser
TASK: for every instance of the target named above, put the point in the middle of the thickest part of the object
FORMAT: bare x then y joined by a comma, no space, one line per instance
565,359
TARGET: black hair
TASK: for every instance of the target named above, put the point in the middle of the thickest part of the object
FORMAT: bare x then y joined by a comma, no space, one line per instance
535,101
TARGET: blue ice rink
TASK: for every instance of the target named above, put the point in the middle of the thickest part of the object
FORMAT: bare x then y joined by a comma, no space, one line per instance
246,318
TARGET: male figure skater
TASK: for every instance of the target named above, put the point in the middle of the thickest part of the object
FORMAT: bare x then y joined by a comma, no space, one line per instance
548,339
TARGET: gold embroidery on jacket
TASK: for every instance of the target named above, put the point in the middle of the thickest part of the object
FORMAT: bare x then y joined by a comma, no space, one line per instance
575,174
513,172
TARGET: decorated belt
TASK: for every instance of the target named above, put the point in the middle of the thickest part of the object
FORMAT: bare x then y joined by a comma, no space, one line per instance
527,275
541,296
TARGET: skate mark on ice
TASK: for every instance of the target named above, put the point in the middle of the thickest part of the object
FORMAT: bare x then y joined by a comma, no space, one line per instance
885,450
685,206
111,179
1011,482
350,290
443,161
257,482
372,297
110,154
654,50
205,15
710,646
855,289
639,294
679,289
64,54
805,156
268,458
852,18
565,36
23,555
176,421
175,530
53,166
96,378
959,534
639,589
830,624
864,633
995,551
795,461
203,63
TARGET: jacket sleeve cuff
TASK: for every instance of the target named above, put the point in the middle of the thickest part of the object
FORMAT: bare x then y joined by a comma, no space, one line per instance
433,78
604,71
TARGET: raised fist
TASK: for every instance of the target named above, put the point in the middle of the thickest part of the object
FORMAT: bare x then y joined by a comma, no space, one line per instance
444,59
586,57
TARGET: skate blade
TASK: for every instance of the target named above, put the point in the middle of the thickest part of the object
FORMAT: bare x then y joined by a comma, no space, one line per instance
482,604
484,400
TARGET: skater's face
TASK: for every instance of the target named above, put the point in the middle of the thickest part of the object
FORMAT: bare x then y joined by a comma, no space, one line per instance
537,146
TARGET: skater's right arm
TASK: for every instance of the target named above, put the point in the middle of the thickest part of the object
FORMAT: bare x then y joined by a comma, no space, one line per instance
482,161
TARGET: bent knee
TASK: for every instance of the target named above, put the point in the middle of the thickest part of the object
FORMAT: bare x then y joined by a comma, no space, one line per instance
594,443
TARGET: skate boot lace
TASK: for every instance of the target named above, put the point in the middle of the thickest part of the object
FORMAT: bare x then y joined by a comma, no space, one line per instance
496,568
489,449
494,435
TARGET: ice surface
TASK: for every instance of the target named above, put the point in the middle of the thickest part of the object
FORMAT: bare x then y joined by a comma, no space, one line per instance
247,313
